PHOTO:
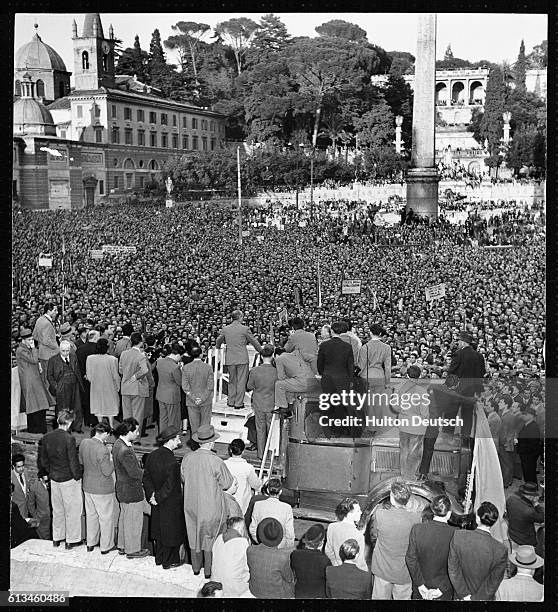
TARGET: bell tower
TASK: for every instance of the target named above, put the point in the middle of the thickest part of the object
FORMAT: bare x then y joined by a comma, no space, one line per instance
93,55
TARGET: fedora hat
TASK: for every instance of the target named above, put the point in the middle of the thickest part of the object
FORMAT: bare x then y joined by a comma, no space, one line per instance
466,337
206,433
270,532
529,488
168,434
525,556
65,328
25,333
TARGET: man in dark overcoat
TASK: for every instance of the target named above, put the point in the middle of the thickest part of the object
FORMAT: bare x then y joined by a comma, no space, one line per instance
65,383
163,490
469,366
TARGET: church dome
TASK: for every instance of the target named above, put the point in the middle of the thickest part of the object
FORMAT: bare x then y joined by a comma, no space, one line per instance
37,55
32,117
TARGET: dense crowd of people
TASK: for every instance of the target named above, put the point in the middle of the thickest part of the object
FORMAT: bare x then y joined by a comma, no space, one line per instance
119,342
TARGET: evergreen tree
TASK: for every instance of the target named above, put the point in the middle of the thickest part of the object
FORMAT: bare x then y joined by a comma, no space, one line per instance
520,68
140,58
272,35
157,67
399,96
337,28
492,124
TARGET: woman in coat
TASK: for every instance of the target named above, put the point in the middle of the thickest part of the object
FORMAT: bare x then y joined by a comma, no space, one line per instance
32,388
101,370
163,490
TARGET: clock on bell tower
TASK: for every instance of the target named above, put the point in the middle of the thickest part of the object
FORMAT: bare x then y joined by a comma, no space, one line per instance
93,55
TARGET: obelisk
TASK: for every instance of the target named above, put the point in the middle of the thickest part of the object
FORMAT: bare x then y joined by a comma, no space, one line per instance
422,177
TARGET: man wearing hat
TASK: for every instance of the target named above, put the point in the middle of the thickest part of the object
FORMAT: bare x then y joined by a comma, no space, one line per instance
44,333
206,477
523,512
271,576
468,365
163,490
529,446
67,333
522,587
32,388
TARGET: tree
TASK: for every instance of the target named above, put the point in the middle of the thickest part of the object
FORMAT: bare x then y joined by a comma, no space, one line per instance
133,60
402,62
492,123
157,67
399,96
337,28
237,33
376,128
520,68
538,58
272,34
187,42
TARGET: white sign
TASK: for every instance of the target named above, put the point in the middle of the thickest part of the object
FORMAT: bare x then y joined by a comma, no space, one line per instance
350,286
435,292
260,238
45,260
116,248
284,316
96,253
169,203
245,233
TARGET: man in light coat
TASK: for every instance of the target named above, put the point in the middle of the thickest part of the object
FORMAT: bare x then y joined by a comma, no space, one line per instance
236,336
134,386
303,340
98,489
44,333
522,587
244,473
168,388
32,388
274,508
197,382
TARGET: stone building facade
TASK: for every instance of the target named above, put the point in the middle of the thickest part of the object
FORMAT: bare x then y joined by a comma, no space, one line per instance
112,131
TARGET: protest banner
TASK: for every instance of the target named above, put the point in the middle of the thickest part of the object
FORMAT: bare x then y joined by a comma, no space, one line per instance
96,253
350,286
45,260
117,248
435,292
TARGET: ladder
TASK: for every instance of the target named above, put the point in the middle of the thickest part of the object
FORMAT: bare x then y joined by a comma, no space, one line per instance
271,447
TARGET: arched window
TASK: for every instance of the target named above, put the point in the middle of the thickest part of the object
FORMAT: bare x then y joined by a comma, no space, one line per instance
153,165
85,60
61,89
40,89
128,163
17,88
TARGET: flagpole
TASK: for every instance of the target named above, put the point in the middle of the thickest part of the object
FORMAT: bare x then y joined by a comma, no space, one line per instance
239,196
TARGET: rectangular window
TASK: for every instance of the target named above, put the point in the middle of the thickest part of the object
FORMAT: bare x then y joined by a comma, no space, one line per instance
164,140
204,143
101,187
116,182
14,187
174,141
212,126
79,111
213,143
141,138
129,180
194,123
141,115
174,120
195,143
98,135
153,139
115,136
185,142
152,117
204,124
127,113
97,111
114,112
62,133
163,118
184,122
128,136
141,181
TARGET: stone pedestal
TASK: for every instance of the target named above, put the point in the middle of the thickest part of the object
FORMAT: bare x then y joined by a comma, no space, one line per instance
422,191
